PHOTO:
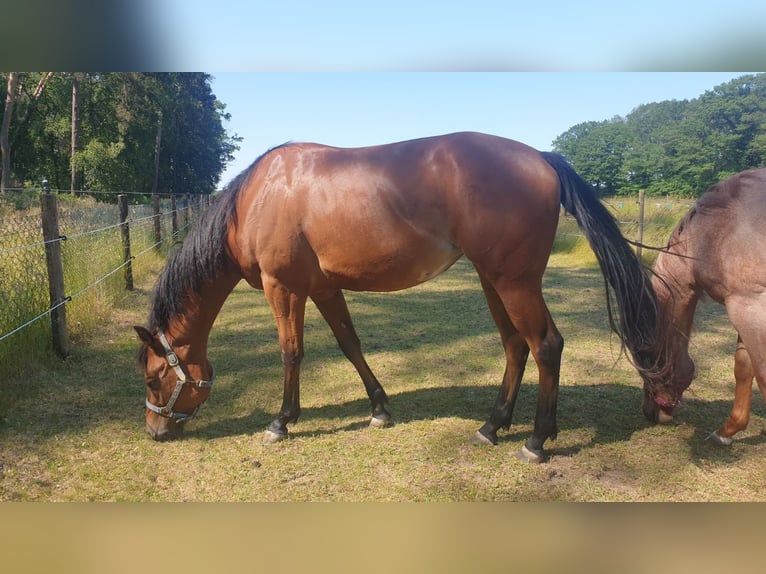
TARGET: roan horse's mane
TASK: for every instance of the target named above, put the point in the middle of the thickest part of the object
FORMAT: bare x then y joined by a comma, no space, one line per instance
202,257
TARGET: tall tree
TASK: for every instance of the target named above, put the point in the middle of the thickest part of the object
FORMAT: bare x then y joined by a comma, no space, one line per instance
5,148
75,184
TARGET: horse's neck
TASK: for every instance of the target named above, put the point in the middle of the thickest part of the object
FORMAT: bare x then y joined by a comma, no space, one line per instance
192,328
677,302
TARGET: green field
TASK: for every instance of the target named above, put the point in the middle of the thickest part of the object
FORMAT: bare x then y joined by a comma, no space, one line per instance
74,431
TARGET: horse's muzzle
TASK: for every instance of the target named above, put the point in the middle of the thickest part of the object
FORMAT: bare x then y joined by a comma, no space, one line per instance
165,430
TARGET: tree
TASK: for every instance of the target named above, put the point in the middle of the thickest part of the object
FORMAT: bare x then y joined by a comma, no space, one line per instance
5,148
99,131
597,151
674,147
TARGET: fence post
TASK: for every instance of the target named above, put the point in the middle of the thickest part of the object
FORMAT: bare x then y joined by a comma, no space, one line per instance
58,298
157,222
188,213
174,216
127,258
640,222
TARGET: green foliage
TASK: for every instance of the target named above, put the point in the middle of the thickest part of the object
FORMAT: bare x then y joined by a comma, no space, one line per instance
674,148
120,114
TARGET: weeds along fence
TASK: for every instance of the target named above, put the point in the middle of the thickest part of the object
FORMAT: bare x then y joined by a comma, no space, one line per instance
645,220
65,261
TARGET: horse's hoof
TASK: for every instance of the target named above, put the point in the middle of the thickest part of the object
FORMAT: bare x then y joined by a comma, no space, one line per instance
526,455
479,438
379,422
271,437
715,438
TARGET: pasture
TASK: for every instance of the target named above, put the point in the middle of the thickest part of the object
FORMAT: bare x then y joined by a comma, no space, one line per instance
75,431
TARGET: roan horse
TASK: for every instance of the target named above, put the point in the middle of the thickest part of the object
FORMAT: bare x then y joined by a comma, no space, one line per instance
718,249
307,220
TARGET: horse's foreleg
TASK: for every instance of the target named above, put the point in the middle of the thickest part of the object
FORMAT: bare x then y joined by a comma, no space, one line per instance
289,311
516,354
335,311
740,412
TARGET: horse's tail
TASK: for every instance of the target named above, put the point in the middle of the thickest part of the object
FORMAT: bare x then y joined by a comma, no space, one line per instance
626,282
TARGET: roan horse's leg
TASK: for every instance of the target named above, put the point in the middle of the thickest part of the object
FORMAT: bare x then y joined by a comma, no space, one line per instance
335,312
289,312
740,412
516,354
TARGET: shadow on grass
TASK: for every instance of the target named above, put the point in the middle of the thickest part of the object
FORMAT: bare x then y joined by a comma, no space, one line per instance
611,412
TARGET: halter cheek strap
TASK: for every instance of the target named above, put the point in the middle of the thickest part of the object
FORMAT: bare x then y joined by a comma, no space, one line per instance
172,359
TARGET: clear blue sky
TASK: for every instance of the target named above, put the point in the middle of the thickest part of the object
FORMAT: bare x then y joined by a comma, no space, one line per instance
356,109
455,35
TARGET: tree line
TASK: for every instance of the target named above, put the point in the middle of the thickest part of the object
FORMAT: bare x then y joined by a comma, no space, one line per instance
676,148
140,132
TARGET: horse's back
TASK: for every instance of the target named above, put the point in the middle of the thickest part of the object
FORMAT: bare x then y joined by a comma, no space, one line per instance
724,237
391,216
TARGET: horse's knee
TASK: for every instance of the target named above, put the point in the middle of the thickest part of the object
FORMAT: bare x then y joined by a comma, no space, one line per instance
292,358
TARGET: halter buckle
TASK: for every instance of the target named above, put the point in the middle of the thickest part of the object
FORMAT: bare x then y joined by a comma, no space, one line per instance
172,359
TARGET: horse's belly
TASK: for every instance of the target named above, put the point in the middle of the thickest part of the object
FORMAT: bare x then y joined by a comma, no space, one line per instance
376,269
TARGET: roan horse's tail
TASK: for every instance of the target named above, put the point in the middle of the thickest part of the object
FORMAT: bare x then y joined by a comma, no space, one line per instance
627,284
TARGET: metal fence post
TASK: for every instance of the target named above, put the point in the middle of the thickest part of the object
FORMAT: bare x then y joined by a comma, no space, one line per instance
58,298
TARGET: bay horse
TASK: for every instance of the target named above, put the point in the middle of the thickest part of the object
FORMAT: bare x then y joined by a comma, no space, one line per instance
718,250
308,221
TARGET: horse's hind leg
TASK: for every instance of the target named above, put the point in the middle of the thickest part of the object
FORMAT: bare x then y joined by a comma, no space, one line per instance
335,311
516,354
526,309
740,412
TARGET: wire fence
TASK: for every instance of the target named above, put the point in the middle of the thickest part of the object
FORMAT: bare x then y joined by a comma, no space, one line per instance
645,220
97,243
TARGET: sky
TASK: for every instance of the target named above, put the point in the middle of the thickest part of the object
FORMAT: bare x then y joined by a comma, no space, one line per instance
454,35
357,109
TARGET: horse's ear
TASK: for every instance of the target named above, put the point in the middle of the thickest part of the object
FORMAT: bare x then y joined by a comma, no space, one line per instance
145,336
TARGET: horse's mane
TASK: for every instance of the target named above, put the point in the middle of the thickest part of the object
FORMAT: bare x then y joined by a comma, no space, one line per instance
203,255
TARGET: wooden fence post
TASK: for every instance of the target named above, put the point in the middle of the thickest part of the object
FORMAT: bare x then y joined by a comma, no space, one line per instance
157,222
58,298
174,216
640,222
127,258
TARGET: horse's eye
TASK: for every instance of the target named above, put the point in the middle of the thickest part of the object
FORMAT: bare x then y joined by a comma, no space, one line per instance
153,383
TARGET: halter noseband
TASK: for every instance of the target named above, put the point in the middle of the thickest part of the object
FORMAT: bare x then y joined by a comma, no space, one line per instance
167,410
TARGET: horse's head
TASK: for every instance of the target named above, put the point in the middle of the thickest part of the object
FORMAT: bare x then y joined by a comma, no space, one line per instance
663,392
175,385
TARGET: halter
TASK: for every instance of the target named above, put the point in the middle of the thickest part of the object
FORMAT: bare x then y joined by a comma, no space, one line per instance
167,410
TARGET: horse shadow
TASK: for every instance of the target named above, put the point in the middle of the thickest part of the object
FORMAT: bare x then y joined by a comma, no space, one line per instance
612,412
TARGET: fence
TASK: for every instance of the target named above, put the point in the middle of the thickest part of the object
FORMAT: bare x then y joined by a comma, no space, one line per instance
64,260
645,220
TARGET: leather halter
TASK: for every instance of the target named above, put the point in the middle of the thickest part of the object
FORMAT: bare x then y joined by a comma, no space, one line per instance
172,359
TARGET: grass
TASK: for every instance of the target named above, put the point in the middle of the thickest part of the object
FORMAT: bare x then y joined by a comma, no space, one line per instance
74,431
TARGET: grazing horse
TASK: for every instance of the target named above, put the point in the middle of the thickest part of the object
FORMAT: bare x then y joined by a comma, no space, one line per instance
308,220
718,249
